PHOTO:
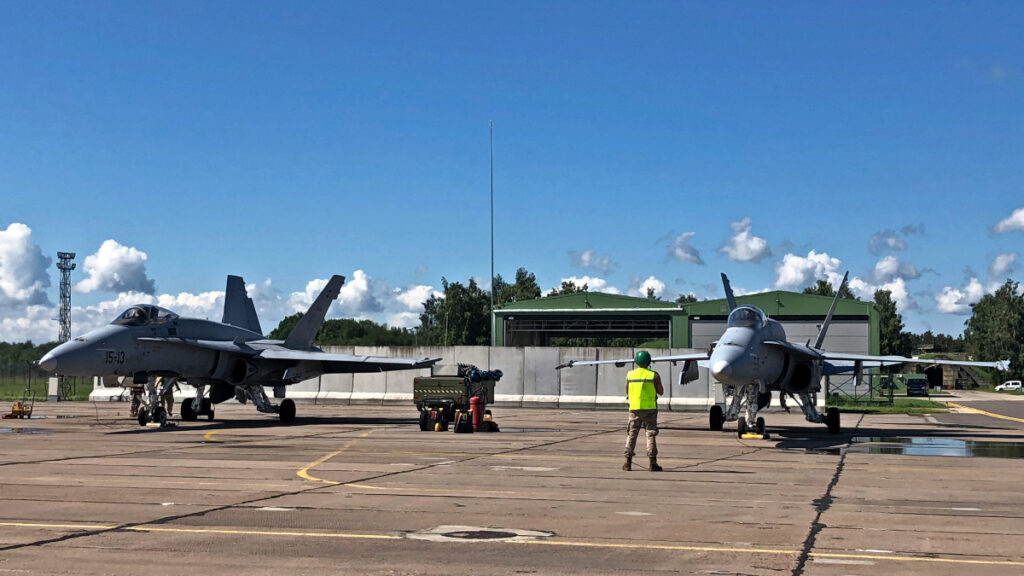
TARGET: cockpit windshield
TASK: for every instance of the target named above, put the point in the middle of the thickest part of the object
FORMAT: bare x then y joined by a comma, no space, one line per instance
144,314
747,317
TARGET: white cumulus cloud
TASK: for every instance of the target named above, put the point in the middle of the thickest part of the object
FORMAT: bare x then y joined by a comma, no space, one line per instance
958,300
887,239
24,275
1014,221
593,283
1001,265
639,287
681,250
890,267
895,285
413,297
116,268
590,260
796,272
744,246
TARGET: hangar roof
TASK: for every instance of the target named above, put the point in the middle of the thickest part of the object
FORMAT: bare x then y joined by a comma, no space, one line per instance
779,304
587,301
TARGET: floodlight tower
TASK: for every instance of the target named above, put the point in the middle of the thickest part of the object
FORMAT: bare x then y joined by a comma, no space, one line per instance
65,265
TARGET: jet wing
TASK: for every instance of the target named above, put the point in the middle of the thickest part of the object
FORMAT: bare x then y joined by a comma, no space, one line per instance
892,360
623,361
349,363
218,345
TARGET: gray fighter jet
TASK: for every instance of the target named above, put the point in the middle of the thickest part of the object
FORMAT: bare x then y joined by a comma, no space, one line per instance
231,358
753,358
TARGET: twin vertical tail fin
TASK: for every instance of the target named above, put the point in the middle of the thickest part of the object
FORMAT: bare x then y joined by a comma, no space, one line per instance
238,307
728,292
301,337
832,309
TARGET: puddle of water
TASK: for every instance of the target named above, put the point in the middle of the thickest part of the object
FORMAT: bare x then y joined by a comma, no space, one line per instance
920,446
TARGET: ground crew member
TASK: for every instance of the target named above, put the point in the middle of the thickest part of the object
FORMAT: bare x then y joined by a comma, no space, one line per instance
643,386
168,399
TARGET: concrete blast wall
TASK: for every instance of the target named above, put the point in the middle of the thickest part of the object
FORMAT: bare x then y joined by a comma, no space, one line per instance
530,378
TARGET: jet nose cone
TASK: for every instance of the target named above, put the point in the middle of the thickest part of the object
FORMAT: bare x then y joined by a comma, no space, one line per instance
721,369
48,362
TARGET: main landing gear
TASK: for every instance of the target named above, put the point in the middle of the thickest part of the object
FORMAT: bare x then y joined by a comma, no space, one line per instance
190,414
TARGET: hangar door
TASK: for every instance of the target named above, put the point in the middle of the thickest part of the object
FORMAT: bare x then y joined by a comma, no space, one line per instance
851,335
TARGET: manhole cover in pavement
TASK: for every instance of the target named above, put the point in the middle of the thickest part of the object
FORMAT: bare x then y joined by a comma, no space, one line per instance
464,533
480,535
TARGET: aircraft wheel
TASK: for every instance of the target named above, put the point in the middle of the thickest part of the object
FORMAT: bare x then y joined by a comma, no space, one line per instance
424,420
143,416
287,410
741,426
832,420
160,415
188,414
760,425
207,408
715,417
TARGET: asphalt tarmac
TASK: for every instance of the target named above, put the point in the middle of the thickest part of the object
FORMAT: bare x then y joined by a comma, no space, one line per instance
360,490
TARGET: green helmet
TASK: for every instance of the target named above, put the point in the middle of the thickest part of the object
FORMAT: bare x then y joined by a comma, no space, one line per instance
643,358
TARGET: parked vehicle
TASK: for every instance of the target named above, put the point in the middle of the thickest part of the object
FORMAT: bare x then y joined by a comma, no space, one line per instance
1010,385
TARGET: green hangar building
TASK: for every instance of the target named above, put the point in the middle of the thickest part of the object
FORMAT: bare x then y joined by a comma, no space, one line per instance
693,325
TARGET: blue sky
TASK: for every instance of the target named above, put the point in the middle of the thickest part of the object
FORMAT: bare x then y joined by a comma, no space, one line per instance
637,145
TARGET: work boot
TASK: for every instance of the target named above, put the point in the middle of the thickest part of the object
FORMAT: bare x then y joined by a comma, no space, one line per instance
628,464
654,464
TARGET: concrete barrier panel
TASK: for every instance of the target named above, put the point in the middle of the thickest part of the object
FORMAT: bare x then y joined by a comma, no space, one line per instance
611,379
540,379
509,390
335,388
370,387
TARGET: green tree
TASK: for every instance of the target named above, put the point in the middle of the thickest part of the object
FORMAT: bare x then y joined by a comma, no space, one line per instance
823,288
651,295
349,332
525,288
892,339
284,328
461,317
995,330
568,287
686,299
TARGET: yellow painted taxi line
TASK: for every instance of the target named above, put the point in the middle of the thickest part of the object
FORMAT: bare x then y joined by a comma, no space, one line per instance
304,471
984,413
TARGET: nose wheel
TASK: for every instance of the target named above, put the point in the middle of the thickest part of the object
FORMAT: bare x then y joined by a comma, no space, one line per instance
716,418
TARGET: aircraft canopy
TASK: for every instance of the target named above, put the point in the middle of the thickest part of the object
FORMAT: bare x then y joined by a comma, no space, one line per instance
747,317
144,314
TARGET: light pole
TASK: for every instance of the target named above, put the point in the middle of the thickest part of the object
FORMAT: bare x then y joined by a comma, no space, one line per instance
492,229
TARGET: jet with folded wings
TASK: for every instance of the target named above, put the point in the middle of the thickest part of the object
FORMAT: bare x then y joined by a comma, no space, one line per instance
753,358
222,360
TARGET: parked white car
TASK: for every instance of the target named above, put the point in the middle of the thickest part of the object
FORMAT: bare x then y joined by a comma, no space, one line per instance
1009,385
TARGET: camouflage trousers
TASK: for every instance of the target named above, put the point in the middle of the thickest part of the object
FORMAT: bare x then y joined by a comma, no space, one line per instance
648,420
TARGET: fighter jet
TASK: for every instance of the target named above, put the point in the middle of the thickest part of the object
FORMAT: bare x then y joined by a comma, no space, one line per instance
231,358
753,358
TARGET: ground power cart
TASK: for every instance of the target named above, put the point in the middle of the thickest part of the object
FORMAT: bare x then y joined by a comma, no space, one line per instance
459,401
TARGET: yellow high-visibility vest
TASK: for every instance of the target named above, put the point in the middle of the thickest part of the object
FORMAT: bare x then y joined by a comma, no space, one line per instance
642,394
